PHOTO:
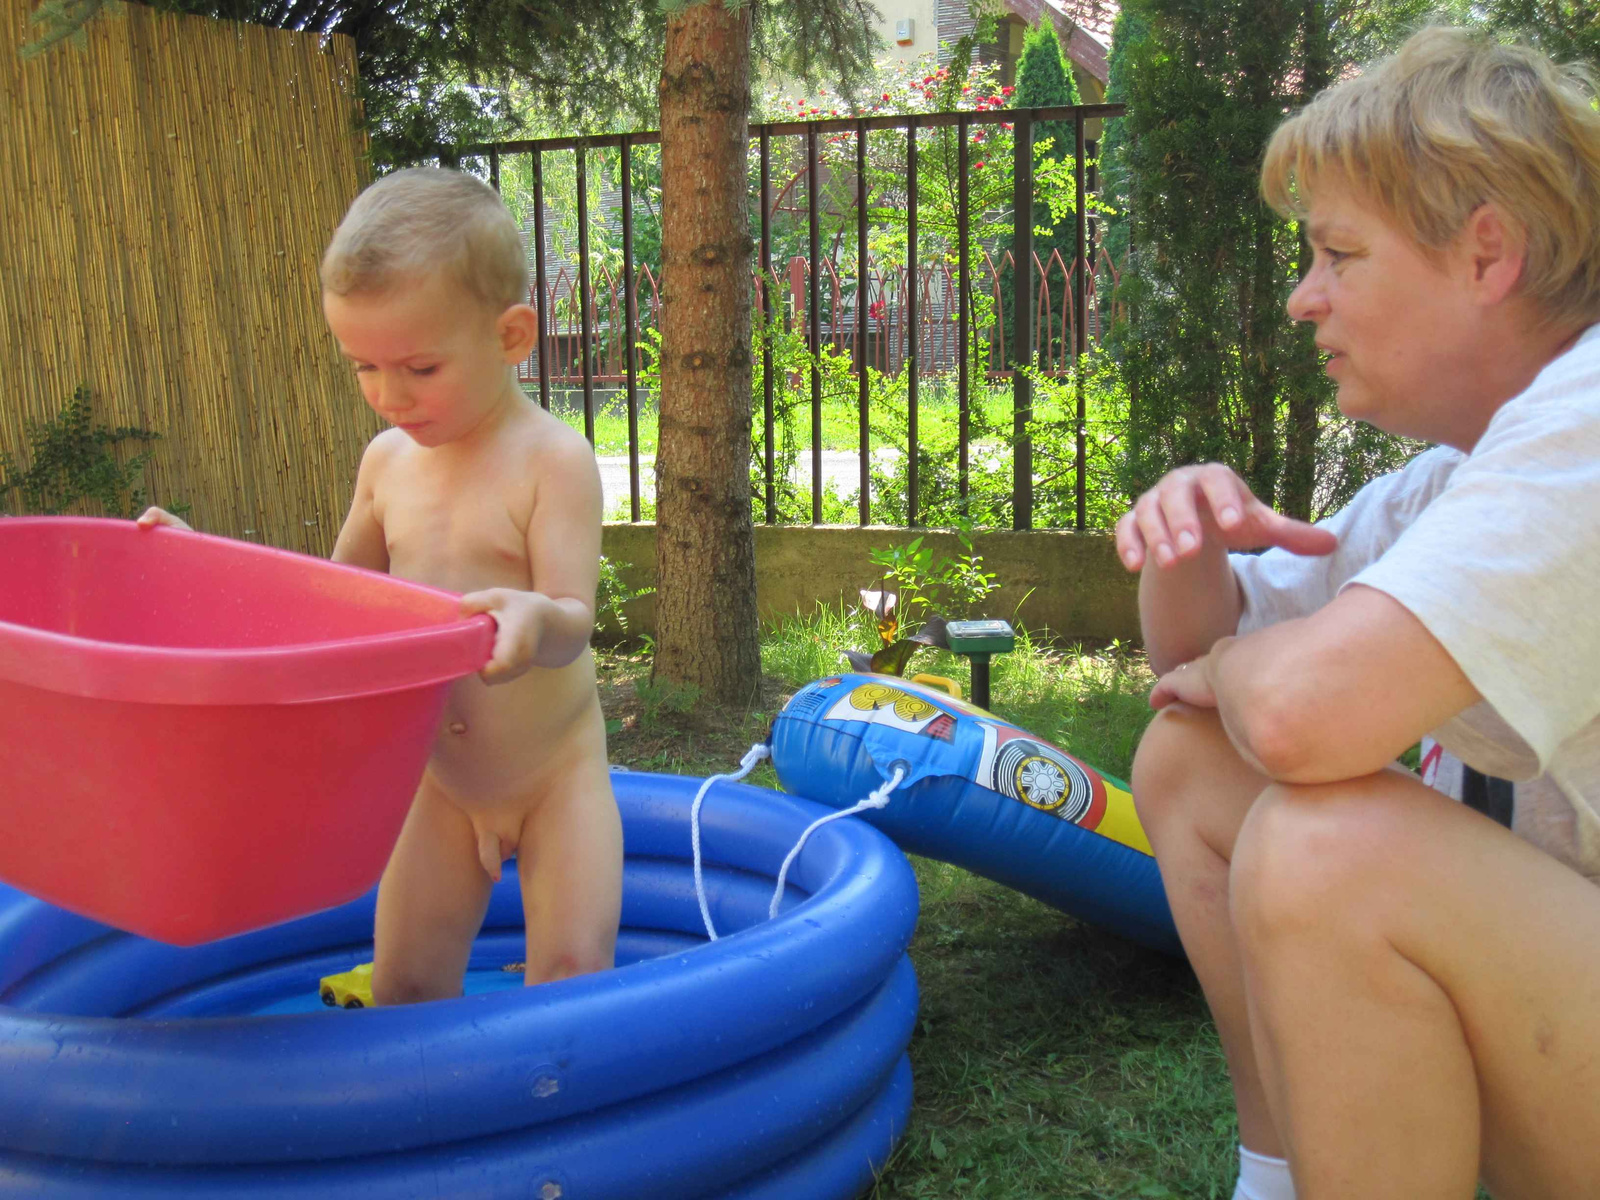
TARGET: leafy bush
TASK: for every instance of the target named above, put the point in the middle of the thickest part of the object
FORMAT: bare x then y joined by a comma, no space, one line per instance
72,465
613,596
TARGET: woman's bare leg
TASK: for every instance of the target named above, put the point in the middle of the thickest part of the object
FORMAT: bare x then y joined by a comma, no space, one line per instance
1192,791
1425,995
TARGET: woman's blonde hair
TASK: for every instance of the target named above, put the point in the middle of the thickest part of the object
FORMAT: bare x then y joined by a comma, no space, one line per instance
1450,122
421,220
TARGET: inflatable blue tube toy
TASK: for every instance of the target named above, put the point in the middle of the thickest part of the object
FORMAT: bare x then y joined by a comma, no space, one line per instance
768,1064
978,792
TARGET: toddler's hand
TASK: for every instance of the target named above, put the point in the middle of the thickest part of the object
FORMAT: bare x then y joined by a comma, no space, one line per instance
1192,504
519,620
153,516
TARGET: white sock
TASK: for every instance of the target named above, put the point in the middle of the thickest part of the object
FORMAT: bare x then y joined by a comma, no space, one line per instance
1263,1178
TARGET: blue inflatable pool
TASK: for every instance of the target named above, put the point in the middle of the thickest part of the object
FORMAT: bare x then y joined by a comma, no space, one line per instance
977,791
770,1063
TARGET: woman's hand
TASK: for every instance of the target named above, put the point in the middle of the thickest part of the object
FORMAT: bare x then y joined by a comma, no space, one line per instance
1208,503
519,623
1188,683
153,516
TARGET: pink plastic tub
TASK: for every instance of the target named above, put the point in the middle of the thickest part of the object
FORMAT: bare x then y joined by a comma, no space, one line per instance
199,736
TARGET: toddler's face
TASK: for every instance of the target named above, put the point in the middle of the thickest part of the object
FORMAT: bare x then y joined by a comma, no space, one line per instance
430,358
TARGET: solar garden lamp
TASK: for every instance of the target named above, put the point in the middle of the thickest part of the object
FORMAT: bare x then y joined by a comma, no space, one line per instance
979,641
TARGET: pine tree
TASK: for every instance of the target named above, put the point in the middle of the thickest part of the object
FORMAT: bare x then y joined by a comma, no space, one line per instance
707,633
1215,368
438,73
1045,80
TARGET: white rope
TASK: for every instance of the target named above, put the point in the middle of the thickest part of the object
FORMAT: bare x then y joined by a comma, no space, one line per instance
746,764
877,798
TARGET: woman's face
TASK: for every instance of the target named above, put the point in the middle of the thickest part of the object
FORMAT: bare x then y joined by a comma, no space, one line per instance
1391,321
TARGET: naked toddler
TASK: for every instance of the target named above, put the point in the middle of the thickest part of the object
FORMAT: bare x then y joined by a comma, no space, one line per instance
477,490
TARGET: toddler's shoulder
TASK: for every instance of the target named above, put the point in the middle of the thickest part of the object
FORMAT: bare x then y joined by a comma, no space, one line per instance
383,451
556,446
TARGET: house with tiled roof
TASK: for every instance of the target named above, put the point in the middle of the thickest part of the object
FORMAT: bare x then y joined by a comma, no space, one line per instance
913,28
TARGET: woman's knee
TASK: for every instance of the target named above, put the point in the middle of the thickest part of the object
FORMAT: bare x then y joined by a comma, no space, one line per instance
1168,761
1187,772
1308,855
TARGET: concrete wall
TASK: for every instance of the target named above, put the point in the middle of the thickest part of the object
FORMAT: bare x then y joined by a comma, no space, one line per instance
1069,583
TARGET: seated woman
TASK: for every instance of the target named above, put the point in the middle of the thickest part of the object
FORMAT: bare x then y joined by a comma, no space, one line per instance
1408,993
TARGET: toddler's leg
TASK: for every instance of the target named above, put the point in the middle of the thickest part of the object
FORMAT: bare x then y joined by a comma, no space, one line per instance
431,902
570,863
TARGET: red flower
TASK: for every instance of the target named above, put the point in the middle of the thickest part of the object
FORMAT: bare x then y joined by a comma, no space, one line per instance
977,166
1006,91
886,96
876,309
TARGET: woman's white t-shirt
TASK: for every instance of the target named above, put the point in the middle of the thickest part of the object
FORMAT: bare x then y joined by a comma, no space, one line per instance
1497,553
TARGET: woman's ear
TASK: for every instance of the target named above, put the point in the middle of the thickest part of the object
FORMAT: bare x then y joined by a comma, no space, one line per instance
1493,249
518,331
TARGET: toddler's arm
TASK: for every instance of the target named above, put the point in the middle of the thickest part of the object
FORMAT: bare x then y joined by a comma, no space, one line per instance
361,542
550,625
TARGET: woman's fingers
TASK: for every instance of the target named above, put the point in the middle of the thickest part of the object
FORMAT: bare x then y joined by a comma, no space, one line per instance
1299,537
1179,499
1229,500
1150,515
1171,521
1130,543
1188,683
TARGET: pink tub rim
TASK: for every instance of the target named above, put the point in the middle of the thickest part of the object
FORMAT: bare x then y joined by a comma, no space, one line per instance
303,673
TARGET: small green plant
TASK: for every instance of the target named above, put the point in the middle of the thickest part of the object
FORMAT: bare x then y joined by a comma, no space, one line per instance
664,696
614,595
925,581
71,460
925,586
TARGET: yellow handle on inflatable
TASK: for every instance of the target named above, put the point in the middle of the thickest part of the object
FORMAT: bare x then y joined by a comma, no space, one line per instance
949,685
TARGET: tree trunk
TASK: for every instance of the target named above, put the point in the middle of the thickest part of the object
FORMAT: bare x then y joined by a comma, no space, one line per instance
1305,395
706,626
1258,366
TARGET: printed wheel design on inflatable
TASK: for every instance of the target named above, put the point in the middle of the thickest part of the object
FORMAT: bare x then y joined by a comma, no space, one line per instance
769,1063
1044,778
979,792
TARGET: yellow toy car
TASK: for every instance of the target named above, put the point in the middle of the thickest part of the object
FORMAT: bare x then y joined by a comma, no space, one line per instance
349,989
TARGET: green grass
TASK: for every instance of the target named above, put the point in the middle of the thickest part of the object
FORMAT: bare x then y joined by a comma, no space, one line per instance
1051,1058
937,413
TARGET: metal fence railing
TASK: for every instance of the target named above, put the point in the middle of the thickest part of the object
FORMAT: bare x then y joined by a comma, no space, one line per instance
910,314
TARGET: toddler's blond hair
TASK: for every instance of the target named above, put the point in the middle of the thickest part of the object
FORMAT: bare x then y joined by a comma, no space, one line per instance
1451,121
423,220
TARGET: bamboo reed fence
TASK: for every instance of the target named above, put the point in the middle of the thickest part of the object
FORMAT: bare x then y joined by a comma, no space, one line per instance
169,184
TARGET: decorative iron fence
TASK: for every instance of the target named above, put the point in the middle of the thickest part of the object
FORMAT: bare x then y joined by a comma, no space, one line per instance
909,318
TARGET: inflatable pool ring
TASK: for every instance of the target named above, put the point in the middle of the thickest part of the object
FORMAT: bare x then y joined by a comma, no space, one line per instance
978,792
770,1063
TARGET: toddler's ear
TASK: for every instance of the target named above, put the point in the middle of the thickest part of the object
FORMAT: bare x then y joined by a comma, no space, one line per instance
518,330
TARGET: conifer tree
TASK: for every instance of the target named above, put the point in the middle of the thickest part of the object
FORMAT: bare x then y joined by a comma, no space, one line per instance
1215,368
438,73
1045,80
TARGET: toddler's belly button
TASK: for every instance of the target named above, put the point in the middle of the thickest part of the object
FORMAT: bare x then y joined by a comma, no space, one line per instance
458,726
